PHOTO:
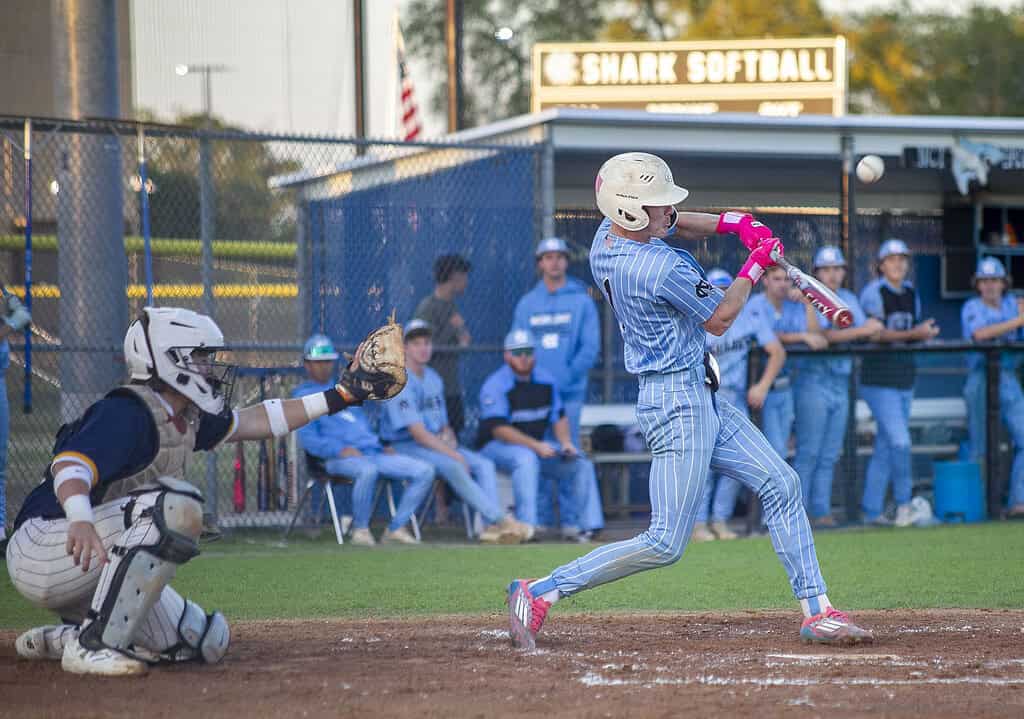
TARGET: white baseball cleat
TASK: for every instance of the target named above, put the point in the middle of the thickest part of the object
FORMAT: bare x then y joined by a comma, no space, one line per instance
46,642
103,662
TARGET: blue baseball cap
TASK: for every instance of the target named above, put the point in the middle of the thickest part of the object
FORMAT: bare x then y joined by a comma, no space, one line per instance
829,256
416,328
319,348
990,268
552,244
519,339
893,247
719,277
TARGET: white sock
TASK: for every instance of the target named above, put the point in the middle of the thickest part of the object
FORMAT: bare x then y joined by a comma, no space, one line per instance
819,603
545,585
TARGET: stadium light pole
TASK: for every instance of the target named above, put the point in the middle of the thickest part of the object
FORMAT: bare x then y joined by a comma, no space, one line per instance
207,71
206,233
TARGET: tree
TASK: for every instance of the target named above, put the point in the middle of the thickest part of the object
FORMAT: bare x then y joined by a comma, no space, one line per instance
931,63
245,208
717,20
496,74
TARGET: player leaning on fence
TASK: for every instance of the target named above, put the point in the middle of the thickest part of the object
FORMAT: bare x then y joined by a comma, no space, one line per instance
100,538
887,382
665,305
995,315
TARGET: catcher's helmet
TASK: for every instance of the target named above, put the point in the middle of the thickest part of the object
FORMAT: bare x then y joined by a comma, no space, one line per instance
179,347
627,182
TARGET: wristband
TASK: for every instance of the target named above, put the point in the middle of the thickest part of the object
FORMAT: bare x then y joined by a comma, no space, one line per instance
77,508
315,405
751,270
335,401
729,222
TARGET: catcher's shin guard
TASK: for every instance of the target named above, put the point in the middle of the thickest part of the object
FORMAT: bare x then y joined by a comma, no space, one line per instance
202,637
161,532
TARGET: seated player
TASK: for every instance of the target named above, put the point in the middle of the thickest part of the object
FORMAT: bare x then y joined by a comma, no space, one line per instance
116,492
348,447
415,423
524,430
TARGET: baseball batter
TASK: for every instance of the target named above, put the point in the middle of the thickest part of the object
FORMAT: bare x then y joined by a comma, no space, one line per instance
100,538
665,307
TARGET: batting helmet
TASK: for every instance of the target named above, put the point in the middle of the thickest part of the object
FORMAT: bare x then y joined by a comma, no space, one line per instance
627,182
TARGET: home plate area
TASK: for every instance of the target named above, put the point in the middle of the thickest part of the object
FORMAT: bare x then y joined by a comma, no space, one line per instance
949,663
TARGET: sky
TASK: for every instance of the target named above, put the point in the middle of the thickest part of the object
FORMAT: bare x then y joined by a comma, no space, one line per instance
290,61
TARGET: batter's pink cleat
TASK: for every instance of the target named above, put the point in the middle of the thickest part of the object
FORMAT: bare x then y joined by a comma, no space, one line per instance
526,614
833,627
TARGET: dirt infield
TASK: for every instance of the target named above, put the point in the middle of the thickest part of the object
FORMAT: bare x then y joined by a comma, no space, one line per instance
934,663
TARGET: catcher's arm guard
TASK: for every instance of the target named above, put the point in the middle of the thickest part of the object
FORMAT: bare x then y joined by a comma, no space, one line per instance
377,370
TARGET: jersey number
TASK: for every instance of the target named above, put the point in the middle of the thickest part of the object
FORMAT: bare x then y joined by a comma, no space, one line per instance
608,294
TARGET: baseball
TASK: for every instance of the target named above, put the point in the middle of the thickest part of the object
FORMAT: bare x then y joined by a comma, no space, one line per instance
870,169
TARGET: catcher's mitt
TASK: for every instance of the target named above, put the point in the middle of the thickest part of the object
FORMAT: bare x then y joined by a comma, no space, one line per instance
377,370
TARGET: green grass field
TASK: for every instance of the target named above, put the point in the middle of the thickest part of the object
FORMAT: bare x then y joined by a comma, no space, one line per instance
251,577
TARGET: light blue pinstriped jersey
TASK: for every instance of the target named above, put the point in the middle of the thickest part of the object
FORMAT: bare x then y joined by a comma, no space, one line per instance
660,298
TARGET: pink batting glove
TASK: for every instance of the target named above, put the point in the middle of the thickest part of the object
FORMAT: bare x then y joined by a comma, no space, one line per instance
750,231
760,260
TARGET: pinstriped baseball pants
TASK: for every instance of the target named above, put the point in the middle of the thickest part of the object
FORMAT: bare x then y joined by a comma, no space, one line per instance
689,431
44,573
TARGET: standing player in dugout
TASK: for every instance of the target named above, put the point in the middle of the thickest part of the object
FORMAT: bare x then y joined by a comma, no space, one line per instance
100,538
665,306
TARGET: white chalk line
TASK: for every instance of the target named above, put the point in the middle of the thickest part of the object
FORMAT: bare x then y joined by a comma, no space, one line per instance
593,679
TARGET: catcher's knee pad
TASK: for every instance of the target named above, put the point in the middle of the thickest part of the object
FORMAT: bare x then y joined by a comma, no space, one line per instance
161,532
201,637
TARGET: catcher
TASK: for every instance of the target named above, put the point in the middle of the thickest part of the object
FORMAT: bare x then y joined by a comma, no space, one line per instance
100,538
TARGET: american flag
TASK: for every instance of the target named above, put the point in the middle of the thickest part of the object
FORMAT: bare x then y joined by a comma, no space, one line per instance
410,125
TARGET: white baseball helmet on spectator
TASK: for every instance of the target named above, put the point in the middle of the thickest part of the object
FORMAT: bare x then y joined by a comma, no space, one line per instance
179,347
628,182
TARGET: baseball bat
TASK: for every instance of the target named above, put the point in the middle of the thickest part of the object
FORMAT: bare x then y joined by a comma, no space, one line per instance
239,489
282,474
824,300
263,479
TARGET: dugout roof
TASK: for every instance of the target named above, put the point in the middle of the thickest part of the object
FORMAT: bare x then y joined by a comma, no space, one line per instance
736,160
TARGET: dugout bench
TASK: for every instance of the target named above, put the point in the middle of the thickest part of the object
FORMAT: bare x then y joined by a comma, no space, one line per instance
613,467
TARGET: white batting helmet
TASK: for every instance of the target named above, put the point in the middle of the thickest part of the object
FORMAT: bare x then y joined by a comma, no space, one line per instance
178,346
627,182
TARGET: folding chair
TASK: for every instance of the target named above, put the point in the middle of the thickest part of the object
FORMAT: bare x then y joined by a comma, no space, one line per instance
316,469
467,515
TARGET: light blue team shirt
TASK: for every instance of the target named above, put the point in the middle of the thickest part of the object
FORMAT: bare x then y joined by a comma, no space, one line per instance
832,364
975,314
732,348
790,319
422,400
660,298
568,332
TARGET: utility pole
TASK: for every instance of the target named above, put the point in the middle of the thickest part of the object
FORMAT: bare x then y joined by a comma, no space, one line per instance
453,40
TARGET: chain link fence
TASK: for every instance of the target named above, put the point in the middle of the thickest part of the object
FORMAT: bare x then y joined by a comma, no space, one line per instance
97,219
277,237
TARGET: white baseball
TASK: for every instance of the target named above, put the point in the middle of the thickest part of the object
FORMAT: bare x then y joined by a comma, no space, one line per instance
870,169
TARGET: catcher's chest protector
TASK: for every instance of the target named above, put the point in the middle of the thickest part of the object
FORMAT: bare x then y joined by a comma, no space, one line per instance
177,440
